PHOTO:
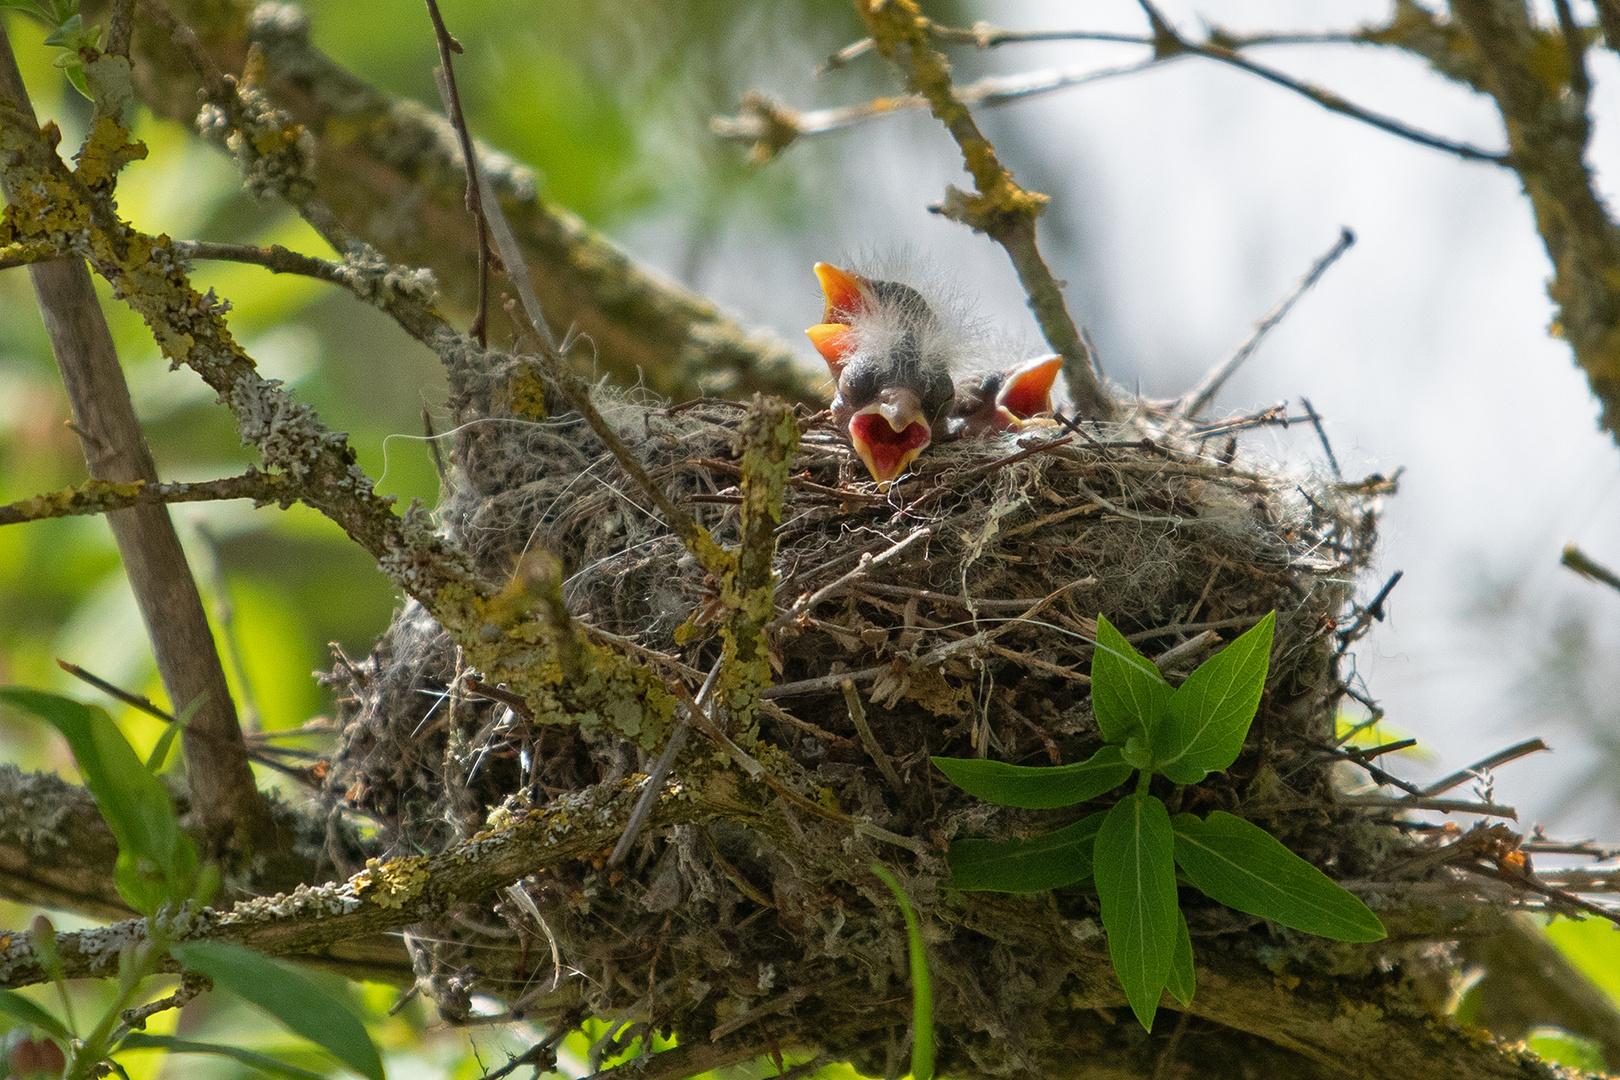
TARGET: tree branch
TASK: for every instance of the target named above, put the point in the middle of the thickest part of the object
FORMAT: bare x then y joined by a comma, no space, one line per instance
235,817
369,150
1000,208
1493,46
772,126
393,894
108,496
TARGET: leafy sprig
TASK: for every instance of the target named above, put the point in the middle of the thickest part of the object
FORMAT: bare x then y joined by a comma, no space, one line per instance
157,873
1132,850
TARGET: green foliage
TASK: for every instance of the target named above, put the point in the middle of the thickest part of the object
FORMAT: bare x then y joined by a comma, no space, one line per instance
1037,788
922,984
139,1040
1132,850
1128,694
1566,1048
157,868
67,32
1135,870
1048,861
157,863
303,1006
26,1011
1183,979
1210,713
1244,867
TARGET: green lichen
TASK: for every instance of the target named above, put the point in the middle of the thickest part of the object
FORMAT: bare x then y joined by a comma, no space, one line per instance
393,883
766,441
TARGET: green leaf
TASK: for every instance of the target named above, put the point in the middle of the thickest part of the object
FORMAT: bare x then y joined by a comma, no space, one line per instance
140,1040
1242,866
1048,861
1183,980
922,985
1128,694
1210,714
69,34
156,861
1566,1048
160,752
28,1012
1136,881
75,76
1037,788
303,1006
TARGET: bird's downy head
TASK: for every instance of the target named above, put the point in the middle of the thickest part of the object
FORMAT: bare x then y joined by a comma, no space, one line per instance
891,355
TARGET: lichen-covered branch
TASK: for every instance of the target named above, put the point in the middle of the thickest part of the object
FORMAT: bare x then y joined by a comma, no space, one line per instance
766,441
1536,75
26,254
105,496
405,293
370,152
503,633
1000,208
399,892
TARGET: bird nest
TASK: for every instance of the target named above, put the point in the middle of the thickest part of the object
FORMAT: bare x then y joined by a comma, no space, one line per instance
952,614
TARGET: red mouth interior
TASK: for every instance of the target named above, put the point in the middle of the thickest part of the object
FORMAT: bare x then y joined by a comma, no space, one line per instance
886,447
1029,392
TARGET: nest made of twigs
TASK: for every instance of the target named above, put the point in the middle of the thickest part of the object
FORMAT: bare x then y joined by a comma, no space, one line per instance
962,605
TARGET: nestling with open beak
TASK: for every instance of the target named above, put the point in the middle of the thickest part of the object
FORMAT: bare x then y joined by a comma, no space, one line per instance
894,359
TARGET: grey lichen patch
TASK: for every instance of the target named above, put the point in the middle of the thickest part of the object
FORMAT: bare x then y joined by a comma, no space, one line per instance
33,809
304,902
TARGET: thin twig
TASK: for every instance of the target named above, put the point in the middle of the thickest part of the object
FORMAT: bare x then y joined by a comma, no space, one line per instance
105,496
1578,561
694,536
1363,758
661,767
1444,806
823,683
867,561
192,983
780,1003
772,126
475,196
1327,447
1198,398
1501,757
874,749
135,701
775,126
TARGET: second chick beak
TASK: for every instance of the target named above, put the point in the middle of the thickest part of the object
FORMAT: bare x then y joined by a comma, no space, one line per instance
889,434
1027,391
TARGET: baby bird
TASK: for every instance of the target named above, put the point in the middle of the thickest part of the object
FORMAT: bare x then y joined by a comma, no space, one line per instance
893,356
888,352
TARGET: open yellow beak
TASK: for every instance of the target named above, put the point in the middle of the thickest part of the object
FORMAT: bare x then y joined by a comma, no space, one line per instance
889,434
